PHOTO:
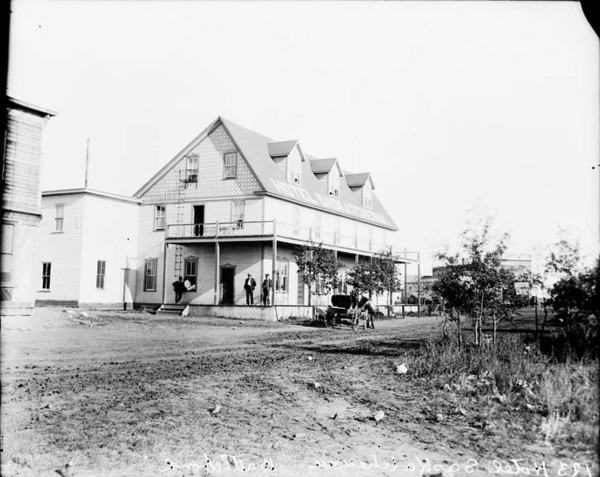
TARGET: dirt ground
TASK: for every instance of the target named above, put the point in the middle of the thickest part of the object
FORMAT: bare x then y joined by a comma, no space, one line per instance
139,394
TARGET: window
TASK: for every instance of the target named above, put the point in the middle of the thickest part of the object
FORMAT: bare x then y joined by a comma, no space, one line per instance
191,171
8,231
100,271
59,217
191,271
317,229
293,170
46,271
334,183
296,220
238,208
367,196
160,214
281,274
150,275
230,165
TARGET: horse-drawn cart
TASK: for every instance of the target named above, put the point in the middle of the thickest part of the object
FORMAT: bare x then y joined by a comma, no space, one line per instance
344,312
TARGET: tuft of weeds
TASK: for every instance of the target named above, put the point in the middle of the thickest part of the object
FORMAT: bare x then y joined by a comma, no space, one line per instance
563,394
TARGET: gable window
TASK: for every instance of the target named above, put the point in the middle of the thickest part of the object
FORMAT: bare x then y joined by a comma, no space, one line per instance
160,214
46,272
281,274
100,271
230,165
150,274
238,209
191,273
334,183
191,170
59,217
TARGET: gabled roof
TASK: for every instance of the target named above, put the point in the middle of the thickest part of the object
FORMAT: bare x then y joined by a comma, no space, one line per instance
282,148
255,150
359,180
322,166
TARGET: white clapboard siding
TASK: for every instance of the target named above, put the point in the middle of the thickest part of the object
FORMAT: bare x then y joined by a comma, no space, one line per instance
110,235
61,249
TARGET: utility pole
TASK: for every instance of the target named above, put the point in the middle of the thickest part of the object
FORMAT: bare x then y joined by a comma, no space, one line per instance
87,162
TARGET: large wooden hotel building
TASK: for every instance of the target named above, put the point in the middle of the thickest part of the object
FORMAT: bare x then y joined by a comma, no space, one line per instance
232,202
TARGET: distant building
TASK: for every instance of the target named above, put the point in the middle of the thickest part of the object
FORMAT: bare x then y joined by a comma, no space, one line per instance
21,212
519,264
232,202
419,288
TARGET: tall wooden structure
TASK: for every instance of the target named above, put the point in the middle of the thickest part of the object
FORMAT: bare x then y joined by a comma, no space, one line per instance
21,202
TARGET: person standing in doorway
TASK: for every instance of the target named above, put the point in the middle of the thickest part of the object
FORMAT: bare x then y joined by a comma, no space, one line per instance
266,290
249,286
178,288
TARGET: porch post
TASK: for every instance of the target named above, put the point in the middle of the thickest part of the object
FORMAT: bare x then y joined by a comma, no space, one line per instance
418,285
335,258
274,267
217,272
166,248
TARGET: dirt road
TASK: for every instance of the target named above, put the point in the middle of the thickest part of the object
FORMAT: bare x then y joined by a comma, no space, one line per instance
138,394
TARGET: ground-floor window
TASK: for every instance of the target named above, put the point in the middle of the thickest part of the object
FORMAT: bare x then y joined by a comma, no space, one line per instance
46,272
100,271
150,275
191,273
281,274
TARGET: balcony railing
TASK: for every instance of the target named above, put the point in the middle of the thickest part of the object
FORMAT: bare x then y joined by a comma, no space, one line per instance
270,229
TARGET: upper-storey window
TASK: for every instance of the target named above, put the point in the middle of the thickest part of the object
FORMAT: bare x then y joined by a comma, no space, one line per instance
230,165
367,196
191,170
334,183
160,213
59,217
238,209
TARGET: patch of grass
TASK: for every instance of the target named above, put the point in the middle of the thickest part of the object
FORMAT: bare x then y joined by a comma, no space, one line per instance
561,396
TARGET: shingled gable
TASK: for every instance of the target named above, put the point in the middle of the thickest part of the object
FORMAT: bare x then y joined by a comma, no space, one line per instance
254,149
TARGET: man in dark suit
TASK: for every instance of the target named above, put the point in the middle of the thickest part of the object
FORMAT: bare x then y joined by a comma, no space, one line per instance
267,284
249,286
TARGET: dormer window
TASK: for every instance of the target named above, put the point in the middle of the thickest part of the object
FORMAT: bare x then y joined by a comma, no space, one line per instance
367,196
191,170
334,183
293,170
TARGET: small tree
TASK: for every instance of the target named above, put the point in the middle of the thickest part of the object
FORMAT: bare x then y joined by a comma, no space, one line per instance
376,275
319,269
474,283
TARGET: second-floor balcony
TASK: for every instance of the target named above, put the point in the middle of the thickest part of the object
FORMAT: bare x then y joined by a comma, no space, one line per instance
271,229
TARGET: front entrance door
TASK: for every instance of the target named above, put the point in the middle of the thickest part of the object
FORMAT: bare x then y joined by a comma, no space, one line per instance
227,275
198,220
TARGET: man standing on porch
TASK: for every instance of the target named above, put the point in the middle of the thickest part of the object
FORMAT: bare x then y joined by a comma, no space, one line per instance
249,286
266,290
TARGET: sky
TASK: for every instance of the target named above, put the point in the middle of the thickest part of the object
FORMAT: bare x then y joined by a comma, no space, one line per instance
454,107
